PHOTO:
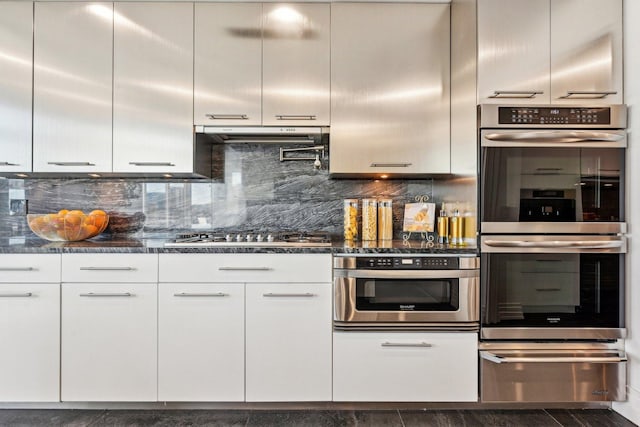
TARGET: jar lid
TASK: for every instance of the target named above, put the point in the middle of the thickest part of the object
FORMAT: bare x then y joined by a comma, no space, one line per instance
369,201
385,202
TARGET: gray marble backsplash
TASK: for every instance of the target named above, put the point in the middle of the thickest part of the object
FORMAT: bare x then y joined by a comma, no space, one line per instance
253,191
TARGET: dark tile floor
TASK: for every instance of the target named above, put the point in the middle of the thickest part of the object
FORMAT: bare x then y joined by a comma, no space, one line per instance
312,418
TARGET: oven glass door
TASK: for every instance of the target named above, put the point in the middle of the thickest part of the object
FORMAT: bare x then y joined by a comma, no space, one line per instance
545,288
376,294
545,185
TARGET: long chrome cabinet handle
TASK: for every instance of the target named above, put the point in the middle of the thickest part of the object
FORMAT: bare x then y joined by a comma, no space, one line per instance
245,268
200,294
17,269
107,268
586,244
21,295
151,164
551,359
588,94
275,294
8,164
107,294
515,93
406,344
227,116
295,117
71,163
390,165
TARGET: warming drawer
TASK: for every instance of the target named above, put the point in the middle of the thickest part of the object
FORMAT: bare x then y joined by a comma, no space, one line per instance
552,375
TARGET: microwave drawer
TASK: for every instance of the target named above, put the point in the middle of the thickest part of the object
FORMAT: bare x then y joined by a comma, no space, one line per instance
552,376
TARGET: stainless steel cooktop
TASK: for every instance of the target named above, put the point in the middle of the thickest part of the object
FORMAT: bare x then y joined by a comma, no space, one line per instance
251,239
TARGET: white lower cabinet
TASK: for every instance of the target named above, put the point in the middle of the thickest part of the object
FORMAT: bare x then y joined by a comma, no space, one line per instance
201,342
109,342
288,342
405,366
29,336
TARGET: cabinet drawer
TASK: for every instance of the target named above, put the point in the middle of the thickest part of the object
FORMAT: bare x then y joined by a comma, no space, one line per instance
433,367
94,268
265,268
29,268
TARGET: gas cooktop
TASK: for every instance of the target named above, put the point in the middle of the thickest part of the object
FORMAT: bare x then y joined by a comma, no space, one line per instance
250,239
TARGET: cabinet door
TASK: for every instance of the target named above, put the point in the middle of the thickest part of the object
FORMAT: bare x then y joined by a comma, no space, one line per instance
201,342
389,98
29,333
16,65
72,87
433,367
586,51
288,342
296,64
109,342
228,64
513,51
153,88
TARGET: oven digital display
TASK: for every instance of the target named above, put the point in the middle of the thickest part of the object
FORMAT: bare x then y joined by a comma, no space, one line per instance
523,115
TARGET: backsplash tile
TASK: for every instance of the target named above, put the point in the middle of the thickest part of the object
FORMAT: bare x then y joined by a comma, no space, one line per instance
255,191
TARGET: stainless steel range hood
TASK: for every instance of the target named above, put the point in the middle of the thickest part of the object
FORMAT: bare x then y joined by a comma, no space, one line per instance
264,134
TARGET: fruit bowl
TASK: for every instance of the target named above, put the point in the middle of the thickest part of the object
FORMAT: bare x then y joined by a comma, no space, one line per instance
68,226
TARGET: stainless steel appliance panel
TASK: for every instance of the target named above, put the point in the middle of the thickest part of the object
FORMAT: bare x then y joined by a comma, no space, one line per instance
153,88
228,64
513,51
390,101
490,118
553,244
72,93
16,64
586,51
296,64
552,375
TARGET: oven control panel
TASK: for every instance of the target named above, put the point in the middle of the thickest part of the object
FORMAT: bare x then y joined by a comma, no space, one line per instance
407,263
554,116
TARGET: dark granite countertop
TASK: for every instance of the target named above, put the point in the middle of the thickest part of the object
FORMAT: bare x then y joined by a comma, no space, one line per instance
115,244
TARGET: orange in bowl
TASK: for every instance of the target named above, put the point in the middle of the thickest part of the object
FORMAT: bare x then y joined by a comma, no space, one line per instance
68,226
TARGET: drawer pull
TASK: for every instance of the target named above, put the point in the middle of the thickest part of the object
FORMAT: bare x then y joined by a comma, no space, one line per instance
22,295
548,289
9,164
390,165
107,268
288,295
71,163
496,358
587,94
151,164
295,117
245,268
107,294
17,269
406,344
515,93
203,294
227,116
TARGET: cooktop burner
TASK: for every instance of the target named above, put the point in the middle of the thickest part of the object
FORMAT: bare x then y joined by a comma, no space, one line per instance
257,239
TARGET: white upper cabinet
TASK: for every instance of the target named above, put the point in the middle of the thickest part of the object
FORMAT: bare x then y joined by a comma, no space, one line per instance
16,64
72,120
153,88
513,51
390,88
586,51
296,64
550,51
261,64
228,64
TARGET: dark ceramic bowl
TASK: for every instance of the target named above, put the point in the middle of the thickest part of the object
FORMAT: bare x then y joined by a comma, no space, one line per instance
121,223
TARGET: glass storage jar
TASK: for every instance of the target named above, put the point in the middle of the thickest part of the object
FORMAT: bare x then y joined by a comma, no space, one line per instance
350,219
369,219
385,219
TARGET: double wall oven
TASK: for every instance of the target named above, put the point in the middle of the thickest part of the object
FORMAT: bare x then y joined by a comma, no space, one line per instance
552,252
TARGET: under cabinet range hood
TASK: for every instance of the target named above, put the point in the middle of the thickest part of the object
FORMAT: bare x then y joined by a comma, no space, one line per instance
264,134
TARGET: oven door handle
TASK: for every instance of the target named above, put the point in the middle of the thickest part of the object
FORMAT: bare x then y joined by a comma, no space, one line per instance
406,274
492,357
555,136
582,244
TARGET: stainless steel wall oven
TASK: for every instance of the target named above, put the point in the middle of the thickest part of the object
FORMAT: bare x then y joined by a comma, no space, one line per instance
406,292
552,245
